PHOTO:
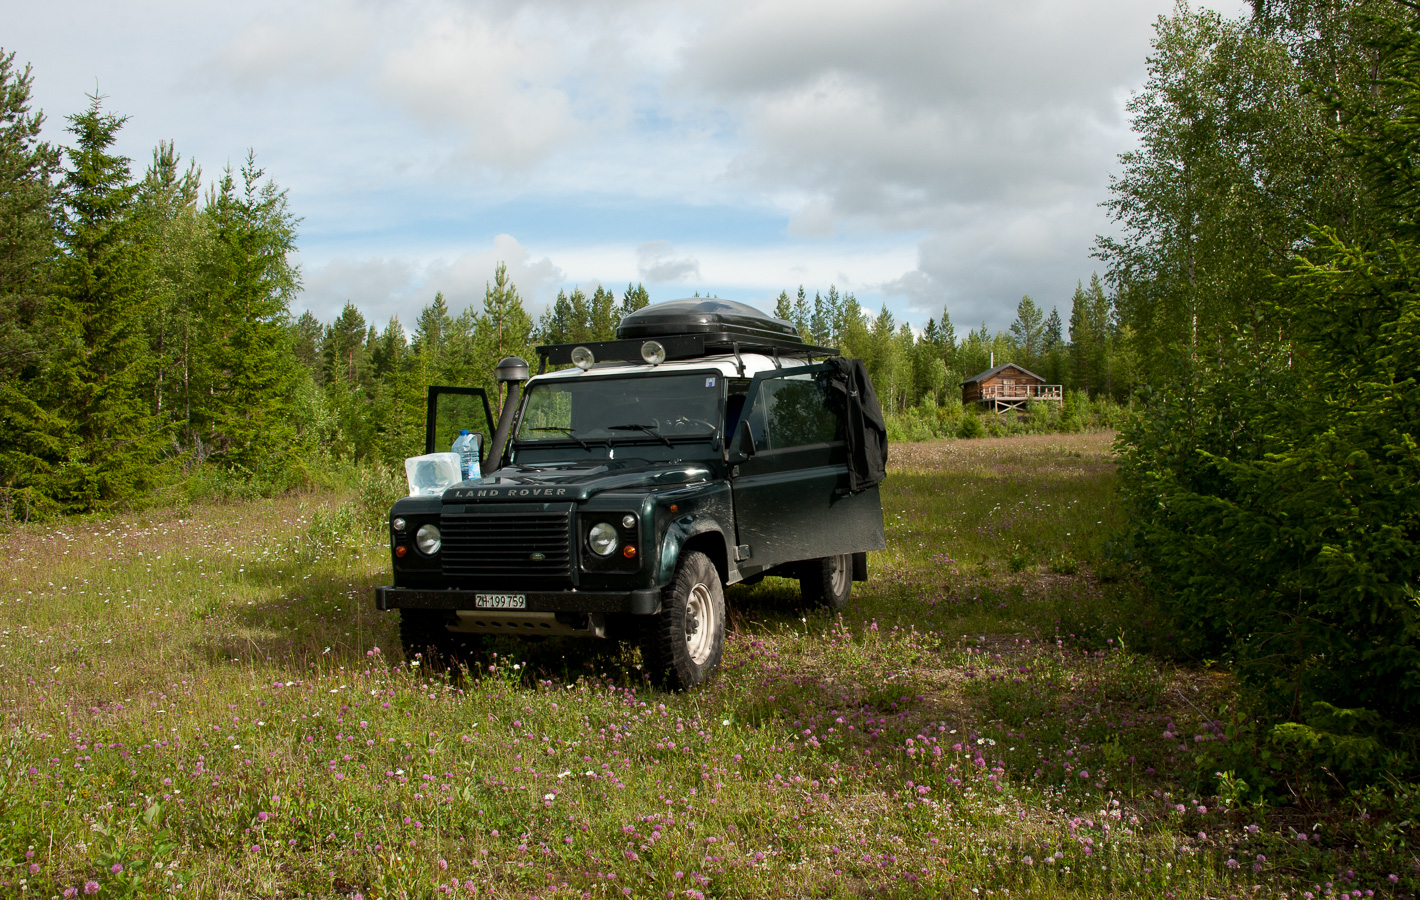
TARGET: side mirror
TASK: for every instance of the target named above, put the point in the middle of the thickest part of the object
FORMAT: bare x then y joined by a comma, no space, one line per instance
743,446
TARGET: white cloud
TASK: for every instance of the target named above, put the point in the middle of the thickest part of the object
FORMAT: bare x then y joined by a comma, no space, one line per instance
489,82
314,42
385,287
656,263
923,151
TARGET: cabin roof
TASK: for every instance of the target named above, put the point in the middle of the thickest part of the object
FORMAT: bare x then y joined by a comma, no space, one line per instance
989,372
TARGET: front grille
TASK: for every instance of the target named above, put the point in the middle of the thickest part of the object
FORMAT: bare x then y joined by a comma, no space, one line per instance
496,548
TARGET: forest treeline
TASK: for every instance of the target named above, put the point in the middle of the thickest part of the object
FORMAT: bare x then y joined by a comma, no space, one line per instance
146,333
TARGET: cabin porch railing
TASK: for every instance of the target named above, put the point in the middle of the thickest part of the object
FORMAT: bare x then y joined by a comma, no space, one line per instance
1002,397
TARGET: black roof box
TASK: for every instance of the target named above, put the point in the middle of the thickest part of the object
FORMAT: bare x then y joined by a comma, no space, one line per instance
694,327
726,319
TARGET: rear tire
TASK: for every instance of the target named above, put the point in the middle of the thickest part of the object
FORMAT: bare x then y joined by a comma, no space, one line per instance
827,581
682,645
424,637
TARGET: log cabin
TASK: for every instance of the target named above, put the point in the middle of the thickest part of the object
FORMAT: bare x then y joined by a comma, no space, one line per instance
1009,386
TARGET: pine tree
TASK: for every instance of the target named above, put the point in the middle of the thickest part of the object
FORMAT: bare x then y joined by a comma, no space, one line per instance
388,350
397,398
112,439
784,307
306,336
975,352
343,351
167,207
432,329
802,315
602,317
504,329
635,298
821,322
1028,330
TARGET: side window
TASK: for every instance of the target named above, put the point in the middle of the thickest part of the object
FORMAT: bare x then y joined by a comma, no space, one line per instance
794,411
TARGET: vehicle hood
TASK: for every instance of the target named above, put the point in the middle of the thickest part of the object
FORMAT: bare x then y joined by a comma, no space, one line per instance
574,482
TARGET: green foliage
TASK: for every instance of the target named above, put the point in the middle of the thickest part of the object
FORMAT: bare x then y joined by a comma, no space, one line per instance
250,283
27,225
1229,170
1277,490
971,427
109,439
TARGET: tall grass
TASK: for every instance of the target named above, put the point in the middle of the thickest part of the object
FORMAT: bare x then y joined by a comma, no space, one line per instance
208,705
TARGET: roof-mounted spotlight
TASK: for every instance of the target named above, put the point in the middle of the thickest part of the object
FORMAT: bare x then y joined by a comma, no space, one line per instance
653,353
582,358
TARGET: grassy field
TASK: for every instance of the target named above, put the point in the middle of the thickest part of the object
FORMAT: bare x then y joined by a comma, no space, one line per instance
209,705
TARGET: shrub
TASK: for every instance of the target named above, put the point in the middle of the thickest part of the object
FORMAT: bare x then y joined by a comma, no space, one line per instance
1276,489
971,427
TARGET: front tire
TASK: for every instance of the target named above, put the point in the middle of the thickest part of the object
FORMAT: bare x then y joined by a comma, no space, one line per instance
683,645
827,581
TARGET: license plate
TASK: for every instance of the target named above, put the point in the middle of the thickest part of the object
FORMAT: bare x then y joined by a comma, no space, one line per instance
500,601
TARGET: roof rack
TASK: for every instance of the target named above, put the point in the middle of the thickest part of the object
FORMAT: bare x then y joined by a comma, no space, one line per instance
692,328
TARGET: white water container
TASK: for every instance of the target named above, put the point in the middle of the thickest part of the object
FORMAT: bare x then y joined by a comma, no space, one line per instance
432,473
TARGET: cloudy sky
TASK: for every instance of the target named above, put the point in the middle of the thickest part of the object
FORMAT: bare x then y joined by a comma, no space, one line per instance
918,153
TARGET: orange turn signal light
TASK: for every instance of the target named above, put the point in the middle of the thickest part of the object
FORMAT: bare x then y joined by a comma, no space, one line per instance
629,551
401,552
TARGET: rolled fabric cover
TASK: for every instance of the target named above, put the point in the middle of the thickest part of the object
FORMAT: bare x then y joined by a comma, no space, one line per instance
866,433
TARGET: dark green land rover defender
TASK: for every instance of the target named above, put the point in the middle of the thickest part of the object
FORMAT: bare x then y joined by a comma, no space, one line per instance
706,446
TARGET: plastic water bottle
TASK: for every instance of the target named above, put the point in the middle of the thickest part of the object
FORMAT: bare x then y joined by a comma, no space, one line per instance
467,449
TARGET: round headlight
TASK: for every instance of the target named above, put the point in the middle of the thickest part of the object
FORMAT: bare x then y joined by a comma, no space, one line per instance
602,539
653,353
582,358
428,539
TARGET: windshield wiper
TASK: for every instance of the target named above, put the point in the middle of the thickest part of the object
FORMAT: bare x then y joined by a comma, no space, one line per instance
567,431
646,428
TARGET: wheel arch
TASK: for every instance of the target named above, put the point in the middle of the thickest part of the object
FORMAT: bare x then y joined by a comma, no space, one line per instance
688,533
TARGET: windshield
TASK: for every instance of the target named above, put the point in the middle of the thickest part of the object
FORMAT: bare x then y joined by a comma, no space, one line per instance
644,407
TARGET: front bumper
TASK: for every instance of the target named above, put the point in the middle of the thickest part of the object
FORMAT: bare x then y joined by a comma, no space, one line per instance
641,602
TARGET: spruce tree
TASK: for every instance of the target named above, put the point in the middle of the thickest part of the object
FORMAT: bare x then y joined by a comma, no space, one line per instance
1054,333
27,221
27,257
556,325
251,279
112,440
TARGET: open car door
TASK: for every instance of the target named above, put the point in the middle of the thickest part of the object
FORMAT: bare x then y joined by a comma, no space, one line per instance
455,409
793,498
